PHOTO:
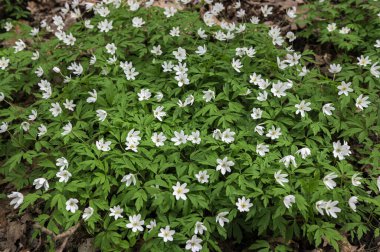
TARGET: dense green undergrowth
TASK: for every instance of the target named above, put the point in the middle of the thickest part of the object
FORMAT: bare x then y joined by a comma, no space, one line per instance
164,129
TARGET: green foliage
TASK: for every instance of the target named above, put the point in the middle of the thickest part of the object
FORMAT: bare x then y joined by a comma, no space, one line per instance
97,175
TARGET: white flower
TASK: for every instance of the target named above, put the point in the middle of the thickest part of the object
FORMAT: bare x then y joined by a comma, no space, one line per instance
236,64
254,20
259,129
2,96
352,202
87,213
105,26
344,30
137,22
194,137
344,88
111,48
364,61
221,219
291,12
4,63
158,139
335,68
116,212
159,113
69,105
42,130
93,96
256,113
93,60
103,145
180,54
302,108
340,151
329,182
281,177
179,191
328,108
8,26
331,208
179,138
378,182
199,228
290,35
62,163
174,32
208,95
72,205
17,199
166,234
77,69
194,244
25,126
3,127
375,70
144,94
201,33
228,136
88,25
129,179
101,114
170,11
287,160
362,102
274,133
33,116
289,200
67,129
224,165
157,51
202,177
266,10
201,50
304,71
135,223
159,96
377,45
356,179
56,109
305,152
262,149
20,45
63,175
41,182
167,66
331,27
152,224
320,206
243,204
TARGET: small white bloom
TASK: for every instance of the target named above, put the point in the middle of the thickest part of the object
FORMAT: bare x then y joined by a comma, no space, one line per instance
202,177
179,191
56,109
236,64
4,63
281,177
101,114
93,96
356,179
362,102
345,88
335,68
244,204
42,130
221,219
116,212
179,138
17,199
305,152
166,234
328,108
340,151
135,223
158,139
194,244
262,149
302,108
87,213
352,203
67,129
63,176
274,133
289,200
72,205
331,208
129,179
41,182
224,165
228,136
287,160
103,145
329,182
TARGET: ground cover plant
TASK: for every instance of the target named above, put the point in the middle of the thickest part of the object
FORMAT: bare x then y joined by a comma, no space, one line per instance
163,130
